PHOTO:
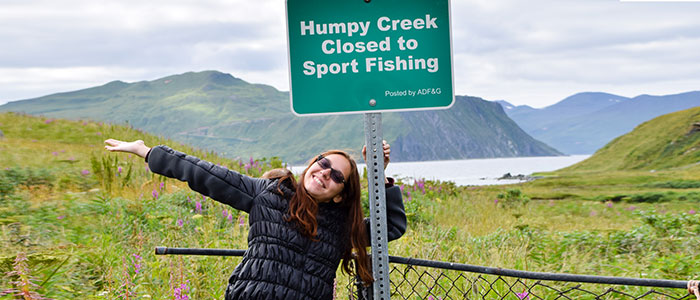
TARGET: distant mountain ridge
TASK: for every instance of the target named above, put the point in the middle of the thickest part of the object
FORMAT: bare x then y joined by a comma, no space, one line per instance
584,122
217,111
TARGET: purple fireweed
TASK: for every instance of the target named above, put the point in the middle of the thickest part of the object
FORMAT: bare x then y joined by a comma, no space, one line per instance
162,185
241,221
180,293
609,204
691,212
136,260
198,207
54,153
60,217
630,208
230,218
119,170
524,295
154,194
85,172
180,222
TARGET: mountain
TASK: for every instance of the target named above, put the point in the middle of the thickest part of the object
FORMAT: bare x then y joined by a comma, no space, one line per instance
584,122
665,142
217,111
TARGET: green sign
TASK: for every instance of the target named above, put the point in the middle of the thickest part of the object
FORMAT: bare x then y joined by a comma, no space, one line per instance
359,56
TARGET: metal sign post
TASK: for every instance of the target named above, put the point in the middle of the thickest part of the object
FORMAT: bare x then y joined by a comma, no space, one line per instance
377,205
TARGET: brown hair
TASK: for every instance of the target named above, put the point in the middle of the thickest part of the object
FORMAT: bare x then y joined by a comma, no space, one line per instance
284,176
303,210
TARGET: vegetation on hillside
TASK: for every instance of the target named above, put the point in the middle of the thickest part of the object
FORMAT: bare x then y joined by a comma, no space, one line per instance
214,110
77,222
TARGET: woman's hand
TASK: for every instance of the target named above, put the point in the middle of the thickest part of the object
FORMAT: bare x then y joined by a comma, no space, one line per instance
387,151
136,147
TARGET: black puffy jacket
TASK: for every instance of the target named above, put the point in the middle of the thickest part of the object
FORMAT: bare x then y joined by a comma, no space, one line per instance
280,262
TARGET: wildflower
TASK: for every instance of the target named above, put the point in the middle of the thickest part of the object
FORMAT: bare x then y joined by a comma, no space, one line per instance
241,221
49,121
60,217
631,208
137,263
180,222
401,187
54,153
155,194
224,212
85,172
593,213
691,212
119,170
230,218
198,207
99,133
609,204
495,201
180,292
162,185
523,295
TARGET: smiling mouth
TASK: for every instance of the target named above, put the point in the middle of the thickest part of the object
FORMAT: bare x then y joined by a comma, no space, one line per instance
318,181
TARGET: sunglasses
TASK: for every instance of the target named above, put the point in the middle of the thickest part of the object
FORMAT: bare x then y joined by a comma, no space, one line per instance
336,175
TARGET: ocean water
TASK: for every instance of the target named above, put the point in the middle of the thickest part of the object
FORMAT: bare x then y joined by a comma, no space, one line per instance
475,171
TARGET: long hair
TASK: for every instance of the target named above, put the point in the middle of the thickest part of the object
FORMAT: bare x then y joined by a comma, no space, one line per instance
303,210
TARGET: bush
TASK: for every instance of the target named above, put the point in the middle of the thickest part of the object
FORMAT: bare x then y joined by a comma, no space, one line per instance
674,184
513,198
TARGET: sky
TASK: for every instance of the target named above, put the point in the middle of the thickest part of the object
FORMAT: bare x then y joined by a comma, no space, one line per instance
534,52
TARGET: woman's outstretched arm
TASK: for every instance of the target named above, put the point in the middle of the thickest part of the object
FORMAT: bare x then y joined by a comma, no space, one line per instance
217,182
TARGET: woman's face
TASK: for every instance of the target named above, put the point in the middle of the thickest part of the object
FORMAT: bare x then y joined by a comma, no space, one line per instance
318,182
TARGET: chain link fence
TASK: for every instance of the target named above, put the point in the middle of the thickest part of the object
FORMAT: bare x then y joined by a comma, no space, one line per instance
435,280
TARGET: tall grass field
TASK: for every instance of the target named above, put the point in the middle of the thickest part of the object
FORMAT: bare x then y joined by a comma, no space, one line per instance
78,222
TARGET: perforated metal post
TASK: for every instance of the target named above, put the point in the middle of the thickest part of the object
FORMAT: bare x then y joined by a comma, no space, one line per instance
377,205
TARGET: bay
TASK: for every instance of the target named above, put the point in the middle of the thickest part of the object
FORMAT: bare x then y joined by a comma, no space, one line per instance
475,171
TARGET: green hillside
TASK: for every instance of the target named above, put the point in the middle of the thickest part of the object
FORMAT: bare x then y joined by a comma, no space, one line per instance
78,222
217,111
662,143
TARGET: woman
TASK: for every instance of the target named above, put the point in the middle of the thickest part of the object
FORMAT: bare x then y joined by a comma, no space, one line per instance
299,233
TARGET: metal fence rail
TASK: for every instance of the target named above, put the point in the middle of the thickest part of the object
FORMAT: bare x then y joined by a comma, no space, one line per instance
412,278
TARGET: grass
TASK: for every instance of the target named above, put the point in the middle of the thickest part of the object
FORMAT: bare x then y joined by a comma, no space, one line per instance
87,220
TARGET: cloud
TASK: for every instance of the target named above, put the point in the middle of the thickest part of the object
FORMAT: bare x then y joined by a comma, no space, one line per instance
527,52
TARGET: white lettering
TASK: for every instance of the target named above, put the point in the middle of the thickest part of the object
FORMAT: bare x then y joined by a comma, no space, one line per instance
309,27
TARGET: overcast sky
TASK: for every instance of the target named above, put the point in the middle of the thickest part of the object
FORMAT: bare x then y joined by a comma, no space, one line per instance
534,52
